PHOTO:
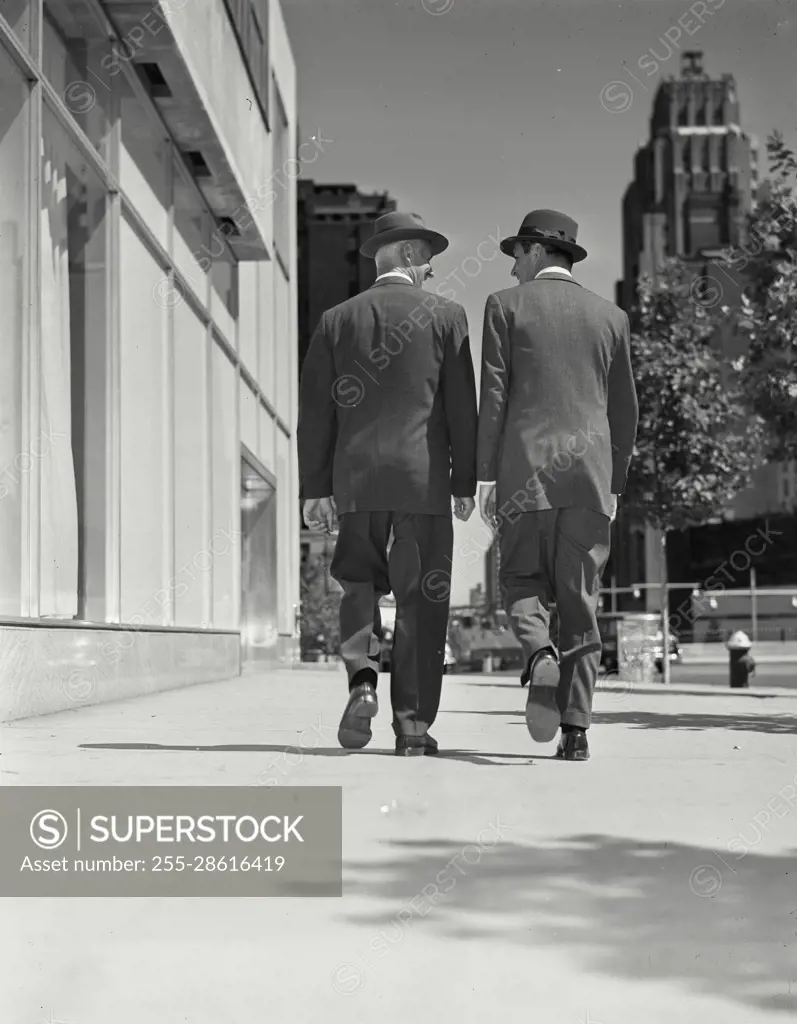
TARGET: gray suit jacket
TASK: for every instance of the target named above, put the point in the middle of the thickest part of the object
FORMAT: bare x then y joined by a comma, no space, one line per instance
558,413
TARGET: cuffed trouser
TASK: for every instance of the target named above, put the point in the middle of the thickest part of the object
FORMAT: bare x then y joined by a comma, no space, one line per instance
558,555
418,573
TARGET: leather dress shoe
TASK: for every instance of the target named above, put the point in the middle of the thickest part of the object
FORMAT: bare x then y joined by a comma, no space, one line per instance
573,746
411,746
354,731
543,717
431,745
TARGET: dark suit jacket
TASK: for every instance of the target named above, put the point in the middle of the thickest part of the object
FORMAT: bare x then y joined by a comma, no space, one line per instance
387,408
558,413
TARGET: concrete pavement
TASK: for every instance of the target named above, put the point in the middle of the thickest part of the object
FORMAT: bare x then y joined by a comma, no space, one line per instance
654,883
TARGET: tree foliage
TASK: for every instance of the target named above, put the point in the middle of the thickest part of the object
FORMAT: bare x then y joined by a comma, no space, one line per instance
319,608
697,445
768,313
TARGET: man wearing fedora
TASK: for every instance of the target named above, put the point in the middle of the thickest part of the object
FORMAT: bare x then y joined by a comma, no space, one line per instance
557,426
387,438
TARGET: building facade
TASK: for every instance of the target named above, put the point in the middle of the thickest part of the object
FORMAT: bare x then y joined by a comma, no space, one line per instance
149,347
695,181
333,222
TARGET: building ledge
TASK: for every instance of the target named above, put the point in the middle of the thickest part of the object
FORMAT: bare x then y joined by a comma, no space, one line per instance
149,41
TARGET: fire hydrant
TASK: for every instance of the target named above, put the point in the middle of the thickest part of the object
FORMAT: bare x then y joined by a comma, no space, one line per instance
742,663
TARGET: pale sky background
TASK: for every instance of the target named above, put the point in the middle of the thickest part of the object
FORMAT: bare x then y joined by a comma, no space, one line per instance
477,115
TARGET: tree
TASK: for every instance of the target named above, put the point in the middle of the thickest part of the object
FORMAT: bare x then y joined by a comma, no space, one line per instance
697,445
320,607
768,313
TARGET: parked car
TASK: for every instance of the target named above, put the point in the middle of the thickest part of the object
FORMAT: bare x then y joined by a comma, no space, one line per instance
608,623
483,643
675,650
386,654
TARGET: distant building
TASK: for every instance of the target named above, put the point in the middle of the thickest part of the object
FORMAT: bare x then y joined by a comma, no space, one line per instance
695,181
333,222
493,591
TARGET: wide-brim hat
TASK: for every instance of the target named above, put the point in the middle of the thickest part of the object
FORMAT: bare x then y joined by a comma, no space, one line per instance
549,227
402,227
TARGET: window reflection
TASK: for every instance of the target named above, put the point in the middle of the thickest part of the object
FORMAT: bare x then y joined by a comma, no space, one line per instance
19,15
192,233
14,463
73,379
75,62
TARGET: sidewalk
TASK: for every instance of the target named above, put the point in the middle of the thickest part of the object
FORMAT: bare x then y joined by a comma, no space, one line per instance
654,883
766,652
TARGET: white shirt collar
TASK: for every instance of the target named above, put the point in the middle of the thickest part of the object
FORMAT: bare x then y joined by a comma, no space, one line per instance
553,270
395,273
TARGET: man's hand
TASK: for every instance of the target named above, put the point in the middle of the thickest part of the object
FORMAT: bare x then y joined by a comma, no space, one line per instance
321,514
487,504
463,508
613,509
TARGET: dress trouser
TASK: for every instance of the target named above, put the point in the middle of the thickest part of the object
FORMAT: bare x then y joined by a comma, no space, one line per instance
418,573
558,555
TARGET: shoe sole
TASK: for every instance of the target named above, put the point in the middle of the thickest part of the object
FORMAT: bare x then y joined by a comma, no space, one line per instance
411,752
543,717
354,731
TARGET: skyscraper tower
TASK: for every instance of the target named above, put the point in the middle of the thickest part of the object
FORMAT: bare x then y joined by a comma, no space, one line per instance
695,178
694,182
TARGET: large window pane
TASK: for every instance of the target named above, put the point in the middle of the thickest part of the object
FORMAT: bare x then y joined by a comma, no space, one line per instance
14,177
283,165
258,566
283,353
224,544
145,162
192,234
224,287
266,326
77,63
268,440
249,407
144,432
286,557
248,328
19,15
74,327
191,470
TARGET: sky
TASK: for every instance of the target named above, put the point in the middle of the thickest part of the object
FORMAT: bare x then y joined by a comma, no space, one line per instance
472,113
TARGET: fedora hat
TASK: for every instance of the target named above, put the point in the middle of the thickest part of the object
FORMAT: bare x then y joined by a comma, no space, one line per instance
402,227
548,227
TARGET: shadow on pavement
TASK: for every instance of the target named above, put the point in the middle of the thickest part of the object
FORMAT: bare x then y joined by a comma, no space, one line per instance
473,757
690,722
635,910
662,690
736,723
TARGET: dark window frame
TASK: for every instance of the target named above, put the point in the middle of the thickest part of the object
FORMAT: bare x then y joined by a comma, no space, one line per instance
250,18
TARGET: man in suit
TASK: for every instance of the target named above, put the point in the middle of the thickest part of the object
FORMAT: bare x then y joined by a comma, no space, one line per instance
387,436
557,426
